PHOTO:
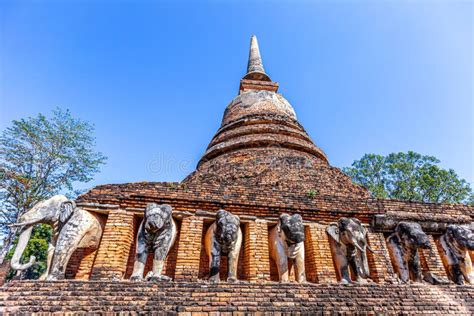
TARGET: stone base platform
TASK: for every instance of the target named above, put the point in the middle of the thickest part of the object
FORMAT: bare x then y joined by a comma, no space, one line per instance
106,297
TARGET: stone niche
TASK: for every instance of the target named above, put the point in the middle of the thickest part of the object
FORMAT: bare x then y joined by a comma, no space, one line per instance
170,265
242,274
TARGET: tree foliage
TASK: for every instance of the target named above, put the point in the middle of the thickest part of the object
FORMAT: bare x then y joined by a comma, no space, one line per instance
38,247
409,176
41,157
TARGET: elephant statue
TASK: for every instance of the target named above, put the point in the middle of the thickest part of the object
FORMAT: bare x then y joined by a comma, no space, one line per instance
157,232
223,237
403,245
456,243
349,244
73,228
286,241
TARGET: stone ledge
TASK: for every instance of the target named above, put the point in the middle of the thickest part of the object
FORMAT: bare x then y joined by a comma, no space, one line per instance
176,297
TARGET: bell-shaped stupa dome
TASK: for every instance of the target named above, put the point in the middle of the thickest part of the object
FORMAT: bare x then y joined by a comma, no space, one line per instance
261,145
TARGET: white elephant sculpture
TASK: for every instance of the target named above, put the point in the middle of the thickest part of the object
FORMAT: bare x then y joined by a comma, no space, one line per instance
73,228
456,244
286,241
403,247
349,245
156,233
223,238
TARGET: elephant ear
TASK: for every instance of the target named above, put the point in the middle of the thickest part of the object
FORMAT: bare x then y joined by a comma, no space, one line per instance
167,209
237,219
65,210
333,232
149,207
283,220
450,229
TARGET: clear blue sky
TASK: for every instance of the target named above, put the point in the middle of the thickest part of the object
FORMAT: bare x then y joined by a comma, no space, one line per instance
154,78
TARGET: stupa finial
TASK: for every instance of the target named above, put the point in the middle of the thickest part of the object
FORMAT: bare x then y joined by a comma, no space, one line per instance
255,69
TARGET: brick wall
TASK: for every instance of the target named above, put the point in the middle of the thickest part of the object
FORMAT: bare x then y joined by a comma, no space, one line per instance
115,245
189,251
80,264
95,297
431,260
256,259
380,264
319,263
262,201
187,259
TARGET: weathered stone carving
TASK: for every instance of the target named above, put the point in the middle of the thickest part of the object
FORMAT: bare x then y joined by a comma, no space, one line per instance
456,243
287,242
349,244
223,237
157,233
73,228
403,245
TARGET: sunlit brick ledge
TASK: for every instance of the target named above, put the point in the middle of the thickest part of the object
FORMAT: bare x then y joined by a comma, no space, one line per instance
201,297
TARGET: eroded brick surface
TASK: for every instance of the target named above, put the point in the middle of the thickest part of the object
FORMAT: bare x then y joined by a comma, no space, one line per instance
380,264
189,251
431,260
114,249
198,297
256,257
319,263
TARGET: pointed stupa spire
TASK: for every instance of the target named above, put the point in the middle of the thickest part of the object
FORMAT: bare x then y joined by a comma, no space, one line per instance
255,69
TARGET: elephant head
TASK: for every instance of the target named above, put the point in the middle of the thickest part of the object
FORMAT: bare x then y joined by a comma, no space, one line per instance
350,239
460,237
411,236
157,217
54,211
227,229
352,232
292,227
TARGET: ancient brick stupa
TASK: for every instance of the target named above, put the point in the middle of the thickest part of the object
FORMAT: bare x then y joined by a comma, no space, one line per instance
260,163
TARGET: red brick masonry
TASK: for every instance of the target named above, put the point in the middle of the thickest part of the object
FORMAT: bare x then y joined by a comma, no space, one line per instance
99,297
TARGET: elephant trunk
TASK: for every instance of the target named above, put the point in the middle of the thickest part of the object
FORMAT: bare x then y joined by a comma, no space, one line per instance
20,248
467,244
23,224
362,250
423,242
363,262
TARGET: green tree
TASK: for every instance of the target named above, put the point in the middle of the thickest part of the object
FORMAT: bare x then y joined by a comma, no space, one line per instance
38,247
40,157
409,176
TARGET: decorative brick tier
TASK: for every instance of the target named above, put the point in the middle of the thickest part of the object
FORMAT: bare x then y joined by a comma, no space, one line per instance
263,200
98,297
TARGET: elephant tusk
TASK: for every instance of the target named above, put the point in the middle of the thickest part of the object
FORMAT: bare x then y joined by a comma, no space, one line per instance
362,249
359,247
16,225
